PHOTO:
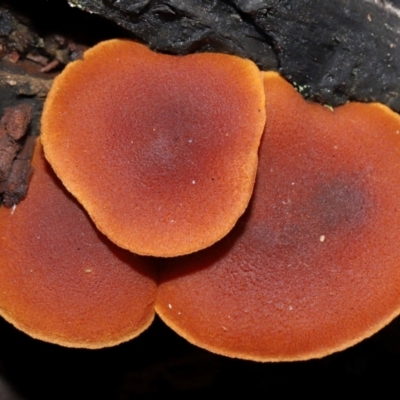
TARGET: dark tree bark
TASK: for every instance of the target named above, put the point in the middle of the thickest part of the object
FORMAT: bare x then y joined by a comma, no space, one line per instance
333,51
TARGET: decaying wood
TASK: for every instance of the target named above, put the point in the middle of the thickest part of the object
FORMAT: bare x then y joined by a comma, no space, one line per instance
15,153
15,187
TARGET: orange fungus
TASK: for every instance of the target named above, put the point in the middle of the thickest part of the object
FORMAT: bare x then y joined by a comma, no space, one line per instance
161,150
60,279
313,266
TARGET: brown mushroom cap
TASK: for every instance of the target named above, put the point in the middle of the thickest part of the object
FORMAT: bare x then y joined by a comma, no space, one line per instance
161,150
60,279
313,266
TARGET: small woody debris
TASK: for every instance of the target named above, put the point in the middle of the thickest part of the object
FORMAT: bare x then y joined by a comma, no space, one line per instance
15,153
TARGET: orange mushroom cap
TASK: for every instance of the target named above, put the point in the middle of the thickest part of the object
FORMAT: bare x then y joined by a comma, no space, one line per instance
161,150
313,266
60,279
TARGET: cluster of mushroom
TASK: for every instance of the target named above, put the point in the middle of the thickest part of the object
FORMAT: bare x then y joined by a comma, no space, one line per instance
162,153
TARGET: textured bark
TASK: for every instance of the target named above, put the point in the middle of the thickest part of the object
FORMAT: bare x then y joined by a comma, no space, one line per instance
15,187
15,153
332,51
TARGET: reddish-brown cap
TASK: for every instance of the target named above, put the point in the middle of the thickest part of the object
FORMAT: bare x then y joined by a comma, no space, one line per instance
313,266
60,279
161,150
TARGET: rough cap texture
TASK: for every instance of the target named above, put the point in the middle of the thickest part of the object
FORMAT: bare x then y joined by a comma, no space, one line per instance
313,265
161,150
60,279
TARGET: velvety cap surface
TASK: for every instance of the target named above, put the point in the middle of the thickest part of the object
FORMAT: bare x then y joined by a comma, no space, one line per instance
314,264
161,150
60,279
